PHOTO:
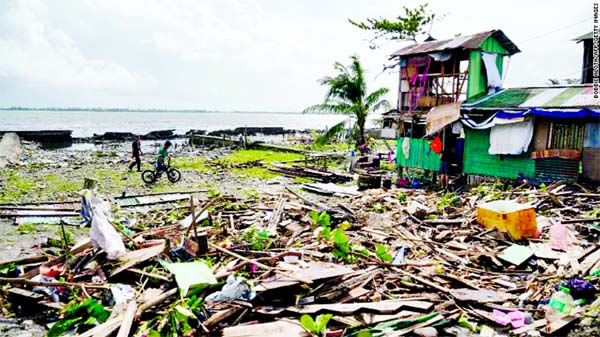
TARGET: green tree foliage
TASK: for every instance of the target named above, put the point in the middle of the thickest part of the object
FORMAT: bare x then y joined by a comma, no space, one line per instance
406,26
347,94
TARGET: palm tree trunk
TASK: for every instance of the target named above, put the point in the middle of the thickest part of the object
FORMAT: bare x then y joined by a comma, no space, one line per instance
361,127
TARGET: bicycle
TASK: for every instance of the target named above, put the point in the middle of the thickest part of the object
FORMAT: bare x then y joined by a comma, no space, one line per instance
151,176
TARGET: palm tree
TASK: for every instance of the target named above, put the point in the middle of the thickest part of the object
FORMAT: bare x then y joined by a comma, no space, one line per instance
347,94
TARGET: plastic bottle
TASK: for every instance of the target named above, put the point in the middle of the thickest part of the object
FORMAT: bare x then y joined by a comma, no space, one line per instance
561,304
562,301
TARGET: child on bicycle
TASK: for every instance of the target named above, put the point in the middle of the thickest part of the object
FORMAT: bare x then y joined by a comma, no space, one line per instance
162,157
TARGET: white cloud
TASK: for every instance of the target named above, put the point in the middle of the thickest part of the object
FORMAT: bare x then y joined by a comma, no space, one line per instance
34,51
242,54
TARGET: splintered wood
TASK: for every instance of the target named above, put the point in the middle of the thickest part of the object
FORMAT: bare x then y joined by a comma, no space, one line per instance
384,262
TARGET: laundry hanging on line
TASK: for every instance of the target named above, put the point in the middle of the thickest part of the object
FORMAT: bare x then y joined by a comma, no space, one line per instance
511,139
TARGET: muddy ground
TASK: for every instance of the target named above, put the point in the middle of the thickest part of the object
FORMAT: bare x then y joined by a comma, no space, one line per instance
58,175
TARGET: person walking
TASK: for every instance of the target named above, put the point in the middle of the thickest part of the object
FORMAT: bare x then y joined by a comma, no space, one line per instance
136,152
445,159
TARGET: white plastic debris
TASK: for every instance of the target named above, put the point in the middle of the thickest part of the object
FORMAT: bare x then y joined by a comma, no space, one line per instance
122,293
102,234
236,288
10,149
187,221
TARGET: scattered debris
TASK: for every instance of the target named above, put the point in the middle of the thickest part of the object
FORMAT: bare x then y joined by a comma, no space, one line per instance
378,262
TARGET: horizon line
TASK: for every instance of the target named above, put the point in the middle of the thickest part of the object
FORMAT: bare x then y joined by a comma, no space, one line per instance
20,108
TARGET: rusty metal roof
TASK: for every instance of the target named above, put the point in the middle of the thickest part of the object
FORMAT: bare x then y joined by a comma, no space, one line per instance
557,97
460,43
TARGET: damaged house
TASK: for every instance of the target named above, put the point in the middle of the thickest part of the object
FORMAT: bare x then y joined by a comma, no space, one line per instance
540,134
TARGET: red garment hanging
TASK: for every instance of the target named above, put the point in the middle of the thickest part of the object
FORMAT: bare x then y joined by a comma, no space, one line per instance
436,145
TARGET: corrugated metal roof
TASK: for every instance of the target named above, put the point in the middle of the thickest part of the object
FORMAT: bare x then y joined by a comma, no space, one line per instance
564,97
587,36
463,42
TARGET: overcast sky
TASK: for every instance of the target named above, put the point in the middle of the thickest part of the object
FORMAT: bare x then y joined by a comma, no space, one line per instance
255,55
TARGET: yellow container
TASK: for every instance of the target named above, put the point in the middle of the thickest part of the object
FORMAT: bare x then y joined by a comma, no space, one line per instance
508,216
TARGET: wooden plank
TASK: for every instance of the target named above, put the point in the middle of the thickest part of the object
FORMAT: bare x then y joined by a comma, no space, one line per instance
127,319
481,296
409,329
221,315
382,307
105,329
25,260
134,257
535,325
276,215
558,325
33,299
283,327
370,319
588,262
315,271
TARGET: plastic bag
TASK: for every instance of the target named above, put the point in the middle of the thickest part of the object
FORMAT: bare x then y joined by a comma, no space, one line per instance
122,293
102,234
236,288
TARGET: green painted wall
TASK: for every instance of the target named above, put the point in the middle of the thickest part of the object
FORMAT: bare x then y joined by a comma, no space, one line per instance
477,82
420,156
478,161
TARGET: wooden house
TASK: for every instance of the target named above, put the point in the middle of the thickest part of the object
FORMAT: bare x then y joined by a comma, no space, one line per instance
435,76
541,134
563,123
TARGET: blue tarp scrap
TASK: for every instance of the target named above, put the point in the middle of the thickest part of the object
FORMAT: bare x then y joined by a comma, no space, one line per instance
581,113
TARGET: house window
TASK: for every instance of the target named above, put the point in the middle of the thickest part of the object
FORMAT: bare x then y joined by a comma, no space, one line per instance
566,136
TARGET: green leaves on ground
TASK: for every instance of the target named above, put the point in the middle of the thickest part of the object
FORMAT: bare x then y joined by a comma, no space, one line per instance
258,240
8,269
341,244
81,315
317,326
59,241
181,319
448,199
343,250
323,220
382,253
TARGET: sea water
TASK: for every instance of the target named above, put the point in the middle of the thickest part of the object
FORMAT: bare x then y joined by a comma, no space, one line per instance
88,123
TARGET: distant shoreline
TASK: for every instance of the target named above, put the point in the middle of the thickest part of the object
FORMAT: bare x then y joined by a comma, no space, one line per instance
141,110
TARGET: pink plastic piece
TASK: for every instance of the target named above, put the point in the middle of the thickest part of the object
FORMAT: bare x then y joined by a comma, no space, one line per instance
517,319
500,317
558,237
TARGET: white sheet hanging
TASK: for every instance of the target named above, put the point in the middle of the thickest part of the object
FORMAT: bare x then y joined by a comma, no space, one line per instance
494,82
406,147
510,138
